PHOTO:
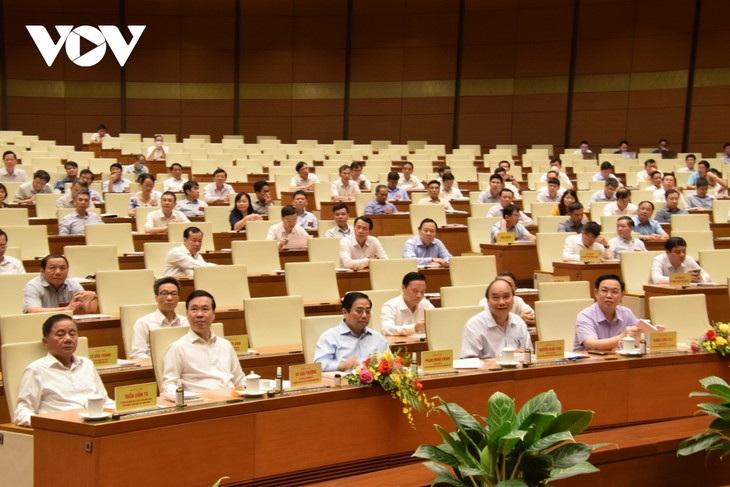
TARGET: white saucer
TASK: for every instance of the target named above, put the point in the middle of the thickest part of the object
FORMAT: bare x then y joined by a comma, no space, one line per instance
632,353
507,365
251,394
86,416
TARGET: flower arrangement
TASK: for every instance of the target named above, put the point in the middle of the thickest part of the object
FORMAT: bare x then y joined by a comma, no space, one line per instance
715,340
394,374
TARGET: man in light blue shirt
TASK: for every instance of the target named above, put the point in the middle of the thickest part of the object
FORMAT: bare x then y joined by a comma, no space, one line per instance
345,346
380,205
700,199
511,223
395,192
425,247
646,227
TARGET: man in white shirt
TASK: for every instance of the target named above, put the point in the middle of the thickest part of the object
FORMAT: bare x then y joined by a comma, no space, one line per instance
700,199
407,180
605,173
200,360
167,294
157,152
87,176
101,132
175,182
675,260
557,165
668,182
67,200
305,219
25,194
11,174
505,198
449,191
8,265
182,260
157,221
75,223
406,314
116,183
514,187
622,206
288,234
344,189
342,227
59,381
433,198
550,193
356,175
218,191
644,176
263,201
304,180
584,148
357,249
624,241
589,238
689,163
191,205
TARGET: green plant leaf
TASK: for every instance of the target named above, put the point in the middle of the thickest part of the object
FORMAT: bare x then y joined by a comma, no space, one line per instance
501,410
534,469
550,441
717,385
699,442
497,435
577,469
513,483
218,482
508,441
721,424
430,452
570,454
538,423
477,472
461,417
444,476
545,402
714,409
575,421
458,448
486,460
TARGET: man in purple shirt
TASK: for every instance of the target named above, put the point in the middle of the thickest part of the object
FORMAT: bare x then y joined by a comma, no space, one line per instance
602,325
380,205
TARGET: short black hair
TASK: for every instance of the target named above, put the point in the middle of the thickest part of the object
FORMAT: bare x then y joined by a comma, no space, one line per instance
199,293
340,206
71,163
189,185
220,170
591,228
52,320
393,176
623,193
506,190
379,187
645,201
407,163
343,167
496,176
506,162
554,181
355,165
175,164
299,192
627,219
300,165
44,260
498,279
166,280
674,242
575,206
606,165
609,277
509,210
41,174
288,210
189,230
427,220
115,165
9,152
259,185
434,181
349,299
168,193
649,161
670,191
701,182
365,219
613,182
413,276
448,177
2,232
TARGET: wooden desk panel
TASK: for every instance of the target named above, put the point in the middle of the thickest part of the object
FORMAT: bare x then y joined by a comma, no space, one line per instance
578,271
519,258
718,302
456,239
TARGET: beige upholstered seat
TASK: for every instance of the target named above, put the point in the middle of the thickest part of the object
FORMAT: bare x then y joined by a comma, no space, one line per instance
87,260
115,288
119,234
228,283
312,328
259,256
388,273
555,320
552,291
472,269
313,281
445,327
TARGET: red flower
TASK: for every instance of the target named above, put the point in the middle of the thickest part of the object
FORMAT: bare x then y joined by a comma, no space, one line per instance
711,335
366,376
694,347
418,385
398,361
366,363
384,367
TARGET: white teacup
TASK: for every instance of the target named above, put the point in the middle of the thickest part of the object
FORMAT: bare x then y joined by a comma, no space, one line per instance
95,405
627,344
508,354
253,383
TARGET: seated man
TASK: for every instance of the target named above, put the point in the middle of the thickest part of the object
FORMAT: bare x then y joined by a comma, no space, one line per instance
182,260
622,206
550,193
157,152
589,238
200,360
138,167
433,198
520,307
700,199
191,205
671,207
175,182
59,381
648,228
75,223
605,173
449,191
512,186
486,333
344,189
645,175
380,205
705,171
67,200
158,220
607,194
491,194
406,314
656,182
689,163
11,174
72,171
675,260
602,325
53,291
575,221
116,183
263,198
395,192
25,194
584,148
425,247
357,249
623,148
167,294
304,180
101,132
557,165
88,177
345,346
342,226
218,191
624,241
407,181
356,175
305,219
511,223
506,197
8,264
668,182
288,233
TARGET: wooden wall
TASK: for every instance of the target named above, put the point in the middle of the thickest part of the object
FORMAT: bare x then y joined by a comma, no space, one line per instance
526,71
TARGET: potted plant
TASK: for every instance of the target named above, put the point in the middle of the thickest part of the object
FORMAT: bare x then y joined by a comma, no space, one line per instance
508,448
717,436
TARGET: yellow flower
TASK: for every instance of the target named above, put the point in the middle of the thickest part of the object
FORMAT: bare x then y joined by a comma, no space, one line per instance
720,341
723,327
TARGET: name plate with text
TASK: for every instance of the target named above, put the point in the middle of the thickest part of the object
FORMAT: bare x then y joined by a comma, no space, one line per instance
680,279
589,255
104,356
662,341
505,238
437,360
305,375
550,349
136,396
239,342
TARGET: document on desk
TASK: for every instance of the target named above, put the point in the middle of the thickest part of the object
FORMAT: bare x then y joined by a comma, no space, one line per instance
468,363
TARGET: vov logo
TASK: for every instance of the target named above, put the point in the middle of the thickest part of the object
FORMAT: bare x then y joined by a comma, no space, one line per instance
71,36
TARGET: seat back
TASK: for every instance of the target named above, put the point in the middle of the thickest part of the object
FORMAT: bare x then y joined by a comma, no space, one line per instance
388,273
274,321
13,216
217,216
259,256
115,288
257,230
636,268
393,245
313,281
45,205
685,314
324,250
454,296
549,224
445,327
717,262
555,320
87,260
140,216
228,283
312,328
24,327
696,240
378,298
418,212
550,249
117,203
552,291
480,231
155,256
472,269
128,316
160,340
32,239
119,234
691,222
12,286
175,233
720,210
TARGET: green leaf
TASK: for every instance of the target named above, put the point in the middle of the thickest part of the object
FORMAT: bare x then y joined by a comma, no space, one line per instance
444,476
550,441
501,410
698,443
713,380
714,409
461,417
473,472
508,441
577,469
218,482
430,452
575,421
485,460
534,469
538,423
566,456
458,448
545,402
497,435
513,483
721,424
